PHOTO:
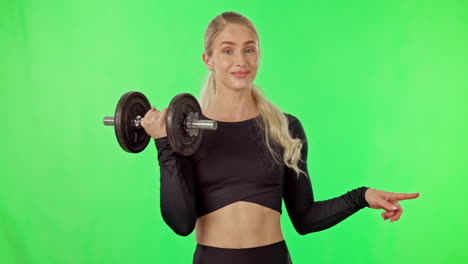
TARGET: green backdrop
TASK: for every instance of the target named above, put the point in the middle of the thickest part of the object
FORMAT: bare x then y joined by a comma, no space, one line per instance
379,86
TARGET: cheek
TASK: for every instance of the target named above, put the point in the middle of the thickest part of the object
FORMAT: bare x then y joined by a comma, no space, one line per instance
254,61
223,64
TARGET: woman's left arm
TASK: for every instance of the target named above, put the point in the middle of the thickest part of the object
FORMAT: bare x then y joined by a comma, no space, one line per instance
308,215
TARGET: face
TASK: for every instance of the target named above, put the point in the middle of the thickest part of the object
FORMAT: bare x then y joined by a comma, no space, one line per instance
235,57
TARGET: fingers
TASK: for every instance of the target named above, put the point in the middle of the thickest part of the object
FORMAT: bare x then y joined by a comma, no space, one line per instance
404,196
388,206
151,115
390,203
154,123
393,215
387,215
397,214
164,113
152,109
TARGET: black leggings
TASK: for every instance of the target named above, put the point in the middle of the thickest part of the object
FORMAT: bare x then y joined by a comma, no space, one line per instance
276,253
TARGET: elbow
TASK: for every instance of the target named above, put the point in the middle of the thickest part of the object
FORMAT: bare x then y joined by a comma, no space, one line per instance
300,230
304,229
183,230
296,220
182,225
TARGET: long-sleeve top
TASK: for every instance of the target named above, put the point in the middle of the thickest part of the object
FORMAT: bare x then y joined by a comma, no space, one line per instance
233,164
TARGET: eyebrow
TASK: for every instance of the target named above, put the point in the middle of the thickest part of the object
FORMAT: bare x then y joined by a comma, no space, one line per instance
232,43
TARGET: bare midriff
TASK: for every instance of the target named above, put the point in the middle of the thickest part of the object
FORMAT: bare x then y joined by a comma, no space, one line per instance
239,225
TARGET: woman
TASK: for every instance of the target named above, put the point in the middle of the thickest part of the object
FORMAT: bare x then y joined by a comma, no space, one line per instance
231,189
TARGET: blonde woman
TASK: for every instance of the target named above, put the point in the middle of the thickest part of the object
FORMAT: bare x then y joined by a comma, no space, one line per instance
232,188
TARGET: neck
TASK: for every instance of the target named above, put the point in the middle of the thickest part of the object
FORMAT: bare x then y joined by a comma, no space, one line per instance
232,105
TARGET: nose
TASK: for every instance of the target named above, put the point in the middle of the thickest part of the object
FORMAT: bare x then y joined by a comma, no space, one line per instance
240,60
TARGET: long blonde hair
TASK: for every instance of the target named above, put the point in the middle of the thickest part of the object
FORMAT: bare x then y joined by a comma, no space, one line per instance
274,123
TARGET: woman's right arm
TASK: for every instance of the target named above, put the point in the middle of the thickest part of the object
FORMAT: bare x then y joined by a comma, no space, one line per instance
177,189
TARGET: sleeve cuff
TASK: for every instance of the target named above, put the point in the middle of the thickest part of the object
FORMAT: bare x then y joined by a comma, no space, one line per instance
363,190
357,198
161,142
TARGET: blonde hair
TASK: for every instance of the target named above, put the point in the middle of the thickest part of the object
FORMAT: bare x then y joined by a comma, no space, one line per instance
274,123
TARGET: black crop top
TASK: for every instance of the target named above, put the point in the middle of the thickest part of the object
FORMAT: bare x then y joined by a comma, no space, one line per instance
233,164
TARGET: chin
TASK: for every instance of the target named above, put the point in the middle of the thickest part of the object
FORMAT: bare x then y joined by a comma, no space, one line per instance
241,86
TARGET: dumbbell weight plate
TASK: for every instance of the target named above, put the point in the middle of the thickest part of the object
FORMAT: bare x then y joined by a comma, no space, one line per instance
179,108
131,138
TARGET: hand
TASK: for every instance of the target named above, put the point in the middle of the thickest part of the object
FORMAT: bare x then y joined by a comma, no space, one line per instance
388,201
154,123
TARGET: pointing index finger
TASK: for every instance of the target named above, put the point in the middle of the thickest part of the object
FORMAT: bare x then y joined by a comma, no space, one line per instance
406,196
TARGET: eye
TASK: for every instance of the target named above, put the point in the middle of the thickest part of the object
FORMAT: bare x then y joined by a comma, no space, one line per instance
250,51
227,51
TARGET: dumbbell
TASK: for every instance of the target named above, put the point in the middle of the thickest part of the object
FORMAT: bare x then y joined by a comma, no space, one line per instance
184,128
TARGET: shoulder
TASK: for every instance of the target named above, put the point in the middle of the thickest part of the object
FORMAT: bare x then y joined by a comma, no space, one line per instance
295,126
293,120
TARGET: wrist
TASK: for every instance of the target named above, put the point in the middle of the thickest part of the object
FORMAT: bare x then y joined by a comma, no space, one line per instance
365,196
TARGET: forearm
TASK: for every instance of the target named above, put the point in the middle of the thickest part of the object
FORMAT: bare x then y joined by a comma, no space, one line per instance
320,215
177,197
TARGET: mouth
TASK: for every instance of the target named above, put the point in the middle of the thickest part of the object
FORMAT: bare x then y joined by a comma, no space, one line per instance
240,74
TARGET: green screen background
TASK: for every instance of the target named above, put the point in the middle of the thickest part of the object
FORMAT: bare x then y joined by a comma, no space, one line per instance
379,86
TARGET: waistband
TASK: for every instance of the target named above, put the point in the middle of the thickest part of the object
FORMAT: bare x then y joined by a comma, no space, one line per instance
281,243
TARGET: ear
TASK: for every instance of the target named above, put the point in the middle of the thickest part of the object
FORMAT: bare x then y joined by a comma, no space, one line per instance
207,61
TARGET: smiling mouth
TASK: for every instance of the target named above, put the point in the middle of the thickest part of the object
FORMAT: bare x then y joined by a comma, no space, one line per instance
240,74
